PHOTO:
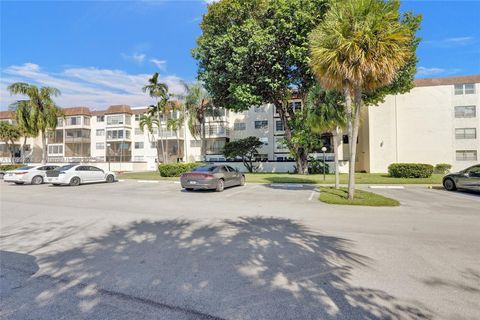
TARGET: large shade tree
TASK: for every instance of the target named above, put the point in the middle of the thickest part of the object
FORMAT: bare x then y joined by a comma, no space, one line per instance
365,49
326,113
256,51
9,134
41,110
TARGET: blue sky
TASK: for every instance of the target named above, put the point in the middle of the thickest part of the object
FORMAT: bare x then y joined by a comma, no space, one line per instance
101,52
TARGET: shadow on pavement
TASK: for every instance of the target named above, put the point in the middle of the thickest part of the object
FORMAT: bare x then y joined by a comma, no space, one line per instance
251,268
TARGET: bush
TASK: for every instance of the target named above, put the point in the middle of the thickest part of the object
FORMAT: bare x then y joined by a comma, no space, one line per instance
7,167
315,166
442,168
410,170
176,169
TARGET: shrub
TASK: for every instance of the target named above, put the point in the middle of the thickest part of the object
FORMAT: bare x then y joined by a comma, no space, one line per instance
176,169
442,168
410,170
7,167
315,166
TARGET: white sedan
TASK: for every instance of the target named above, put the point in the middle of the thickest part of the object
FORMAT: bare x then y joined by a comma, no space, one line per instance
75,175
28,174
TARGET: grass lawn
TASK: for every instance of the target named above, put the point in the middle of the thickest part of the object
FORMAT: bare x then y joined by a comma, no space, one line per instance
361,178
362,198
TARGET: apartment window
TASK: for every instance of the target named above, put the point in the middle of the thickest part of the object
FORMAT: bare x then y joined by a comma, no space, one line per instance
465,112
100,132
195,143
59,122
279,125
74,121
100,146
127,134
297,105
115,134
261,124
464,88
239,126
100,118
115,120
55,149
128,119
138,131
137,117
264,140
138,145
466,133
86,121
466,155
280,144
138,158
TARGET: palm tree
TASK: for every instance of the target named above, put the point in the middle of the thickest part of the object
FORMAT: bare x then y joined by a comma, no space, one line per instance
149,122
359,47
9,134
159,92
326,113
197,103
43,111
25,121
175,124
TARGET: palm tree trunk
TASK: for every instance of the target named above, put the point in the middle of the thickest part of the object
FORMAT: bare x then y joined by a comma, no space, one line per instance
23,148
178,144
353,143
351,160
158,138
335,155
203,134
167,154
44,148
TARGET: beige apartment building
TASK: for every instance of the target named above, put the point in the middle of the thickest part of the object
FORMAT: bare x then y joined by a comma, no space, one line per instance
436,122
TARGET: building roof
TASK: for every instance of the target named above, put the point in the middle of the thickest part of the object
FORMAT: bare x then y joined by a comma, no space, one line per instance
77,111
118,108
447,81
7,115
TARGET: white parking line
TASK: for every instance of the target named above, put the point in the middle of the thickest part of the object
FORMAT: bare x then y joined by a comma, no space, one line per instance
286,185
147,181
312,194
386,187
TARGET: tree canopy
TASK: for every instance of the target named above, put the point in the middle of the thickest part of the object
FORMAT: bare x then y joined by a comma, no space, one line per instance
245,149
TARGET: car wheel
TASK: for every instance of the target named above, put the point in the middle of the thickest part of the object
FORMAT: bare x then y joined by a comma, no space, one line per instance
55,184
110,178
449,185
220,185
18,183
242,181
189,189
75,181
37,180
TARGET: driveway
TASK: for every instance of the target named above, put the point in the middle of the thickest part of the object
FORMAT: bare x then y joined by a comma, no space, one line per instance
138,250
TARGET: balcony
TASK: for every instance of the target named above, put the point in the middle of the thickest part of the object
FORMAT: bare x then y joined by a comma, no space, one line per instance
77,139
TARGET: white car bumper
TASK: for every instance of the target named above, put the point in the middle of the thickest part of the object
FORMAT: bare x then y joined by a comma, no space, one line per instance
12,177
57,180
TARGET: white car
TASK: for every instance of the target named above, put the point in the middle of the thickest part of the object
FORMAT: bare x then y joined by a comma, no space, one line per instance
75,175
28,174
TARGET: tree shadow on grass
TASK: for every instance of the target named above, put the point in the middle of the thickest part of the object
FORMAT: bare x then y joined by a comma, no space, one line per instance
288,179
250,268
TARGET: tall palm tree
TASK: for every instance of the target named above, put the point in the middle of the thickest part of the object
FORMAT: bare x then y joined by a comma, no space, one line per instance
43,110
326,113
10,133
197,103
25,121
359,47
175,124
150,122
159,92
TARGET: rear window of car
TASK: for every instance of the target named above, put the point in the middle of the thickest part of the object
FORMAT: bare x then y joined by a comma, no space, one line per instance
63,168
204,169
25,168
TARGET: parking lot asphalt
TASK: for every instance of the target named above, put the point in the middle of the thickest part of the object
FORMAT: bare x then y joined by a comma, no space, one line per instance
148,250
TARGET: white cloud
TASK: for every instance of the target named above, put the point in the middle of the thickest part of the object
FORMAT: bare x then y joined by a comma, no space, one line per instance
210,1
136,57
161,64
431,72
85,86
450,42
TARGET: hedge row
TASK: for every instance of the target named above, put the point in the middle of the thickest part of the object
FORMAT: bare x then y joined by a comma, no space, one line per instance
7,167
410,170
176,169
442,168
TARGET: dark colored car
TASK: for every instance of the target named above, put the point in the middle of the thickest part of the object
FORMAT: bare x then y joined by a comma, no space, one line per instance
465,179
217,177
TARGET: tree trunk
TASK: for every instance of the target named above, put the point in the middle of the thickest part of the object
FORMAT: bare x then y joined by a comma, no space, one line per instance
159,140
203,135
302,161
178,145
23,149
335,154
44,148
353,143
348,111
167,154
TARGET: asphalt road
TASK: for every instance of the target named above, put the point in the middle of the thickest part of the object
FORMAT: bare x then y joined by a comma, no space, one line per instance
138,250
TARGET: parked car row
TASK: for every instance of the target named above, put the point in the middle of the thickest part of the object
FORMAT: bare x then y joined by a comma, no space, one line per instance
71,174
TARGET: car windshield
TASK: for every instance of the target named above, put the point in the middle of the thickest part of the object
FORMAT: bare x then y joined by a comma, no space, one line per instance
204,169
64,168
25,168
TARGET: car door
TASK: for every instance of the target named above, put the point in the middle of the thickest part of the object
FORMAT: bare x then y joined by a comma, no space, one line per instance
226,175
235,175
471,179
84,173
97,174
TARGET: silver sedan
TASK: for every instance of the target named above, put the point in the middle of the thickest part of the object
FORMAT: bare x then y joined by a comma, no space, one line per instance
215,177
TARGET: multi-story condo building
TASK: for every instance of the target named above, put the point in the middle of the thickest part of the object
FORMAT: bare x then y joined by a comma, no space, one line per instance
436,122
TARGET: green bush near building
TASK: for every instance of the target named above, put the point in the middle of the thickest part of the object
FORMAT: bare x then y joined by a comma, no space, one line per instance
7,167
410,170
442,168
176,169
